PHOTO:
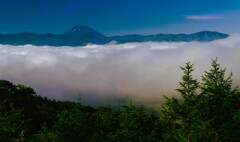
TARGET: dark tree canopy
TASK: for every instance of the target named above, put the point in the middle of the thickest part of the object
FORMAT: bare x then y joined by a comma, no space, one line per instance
208,110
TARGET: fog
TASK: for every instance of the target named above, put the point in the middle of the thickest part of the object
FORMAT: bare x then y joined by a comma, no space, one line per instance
114,73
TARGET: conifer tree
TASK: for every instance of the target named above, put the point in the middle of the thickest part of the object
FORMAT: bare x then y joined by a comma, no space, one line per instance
181,113
219,100
188,88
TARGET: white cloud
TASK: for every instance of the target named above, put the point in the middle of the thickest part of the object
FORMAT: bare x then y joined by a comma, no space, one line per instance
202,17
113,73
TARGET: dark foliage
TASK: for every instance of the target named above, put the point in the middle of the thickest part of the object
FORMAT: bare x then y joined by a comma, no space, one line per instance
207,111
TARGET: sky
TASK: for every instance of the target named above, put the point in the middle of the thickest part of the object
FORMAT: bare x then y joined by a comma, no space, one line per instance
119,17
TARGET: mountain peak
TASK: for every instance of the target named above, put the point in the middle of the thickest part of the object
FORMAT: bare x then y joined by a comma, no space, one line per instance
82,30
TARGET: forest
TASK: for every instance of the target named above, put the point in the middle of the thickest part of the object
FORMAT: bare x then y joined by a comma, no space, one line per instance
206,111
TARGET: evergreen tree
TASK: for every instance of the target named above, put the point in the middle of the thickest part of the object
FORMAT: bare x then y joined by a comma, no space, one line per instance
11,122
135,125
188,113
221,100
207,111
184,113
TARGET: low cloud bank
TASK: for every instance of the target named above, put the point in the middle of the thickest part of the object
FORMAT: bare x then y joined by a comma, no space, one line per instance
114,73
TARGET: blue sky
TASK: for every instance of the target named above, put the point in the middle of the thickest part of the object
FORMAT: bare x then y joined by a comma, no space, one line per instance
117,17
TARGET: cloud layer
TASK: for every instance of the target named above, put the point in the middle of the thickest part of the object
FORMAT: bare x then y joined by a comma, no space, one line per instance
113,73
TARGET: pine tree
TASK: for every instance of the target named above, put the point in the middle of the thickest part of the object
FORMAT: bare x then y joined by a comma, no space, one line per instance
219,97
188,88
182,113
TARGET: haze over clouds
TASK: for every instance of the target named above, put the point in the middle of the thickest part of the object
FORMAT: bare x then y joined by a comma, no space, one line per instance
113,73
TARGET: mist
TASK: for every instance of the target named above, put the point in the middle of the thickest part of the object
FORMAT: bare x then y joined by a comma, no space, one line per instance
114,73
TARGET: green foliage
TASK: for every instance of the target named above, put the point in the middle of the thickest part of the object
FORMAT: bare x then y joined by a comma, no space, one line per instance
73,125
221,101
104,121
47,135
135,124
207,111
211,115
10,124
182,115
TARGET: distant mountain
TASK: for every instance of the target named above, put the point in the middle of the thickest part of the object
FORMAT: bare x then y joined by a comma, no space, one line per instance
200,36
82,35
83,31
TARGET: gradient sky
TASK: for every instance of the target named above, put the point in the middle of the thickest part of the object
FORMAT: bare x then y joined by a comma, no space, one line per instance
117,17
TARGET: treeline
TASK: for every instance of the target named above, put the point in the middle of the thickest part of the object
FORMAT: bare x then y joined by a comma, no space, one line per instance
206,112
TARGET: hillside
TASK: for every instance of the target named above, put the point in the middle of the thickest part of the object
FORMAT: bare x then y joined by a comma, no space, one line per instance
82,35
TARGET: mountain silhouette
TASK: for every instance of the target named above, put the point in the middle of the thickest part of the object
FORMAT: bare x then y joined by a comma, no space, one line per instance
83,31
82,35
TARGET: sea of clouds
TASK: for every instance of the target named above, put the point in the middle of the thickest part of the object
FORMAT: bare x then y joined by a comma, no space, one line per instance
114,73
